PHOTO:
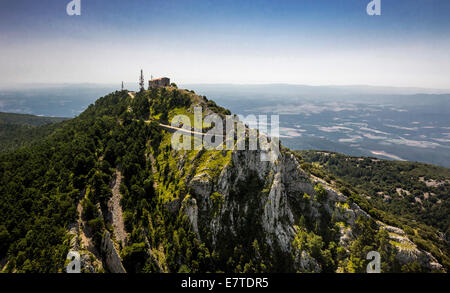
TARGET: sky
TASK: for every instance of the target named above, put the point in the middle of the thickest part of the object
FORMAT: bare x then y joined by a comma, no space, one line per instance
311,42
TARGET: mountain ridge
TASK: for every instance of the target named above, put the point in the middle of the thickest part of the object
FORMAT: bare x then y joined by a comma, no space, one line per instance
183,211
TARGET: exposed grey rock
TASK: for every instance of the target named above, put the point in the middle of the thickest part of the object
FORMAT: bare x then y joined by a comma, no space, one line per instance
278,204
112,257
407,251
190,208
306,263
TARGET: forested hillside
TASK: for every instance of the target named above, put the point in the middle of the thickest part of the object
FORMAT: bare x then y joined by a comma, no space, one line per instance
42,185
187,211
16,130
409,194
415,191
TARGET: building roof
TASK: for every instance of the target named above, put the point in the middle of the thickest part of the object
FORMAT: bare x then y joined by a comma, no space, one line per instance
159,78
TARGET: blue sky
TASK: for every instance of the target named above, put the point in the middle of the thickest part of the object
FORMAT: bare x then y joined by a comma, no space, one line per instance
303,42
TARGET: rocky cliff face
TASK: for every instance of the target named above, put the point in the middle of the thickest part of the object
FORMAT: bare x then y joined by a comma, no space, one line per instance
273,214
273,197
111,255
292,220
130,202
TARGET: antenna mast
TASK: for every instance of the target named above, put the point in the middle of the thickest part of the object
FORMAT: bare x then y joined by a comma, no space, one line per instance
141,81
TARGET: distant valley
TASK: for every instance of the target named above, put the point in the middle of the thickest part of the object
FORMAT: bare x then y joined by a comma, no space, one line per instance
354,121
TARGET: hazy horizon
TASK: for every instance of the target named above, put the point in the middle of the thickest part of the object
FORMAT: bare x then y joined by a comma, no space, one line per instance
134,85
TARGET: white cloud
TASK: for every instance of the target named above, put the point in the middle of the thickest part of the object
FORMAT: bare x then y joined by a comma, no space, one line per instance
373,130
334,129
286,132
401,127
371,136
443,140
387,155
306,109
414,143
351,138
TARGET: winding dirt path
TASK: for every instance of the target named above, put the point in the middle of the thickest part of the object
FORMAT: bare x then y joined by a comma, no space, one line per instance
115,210
86,237
184,131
